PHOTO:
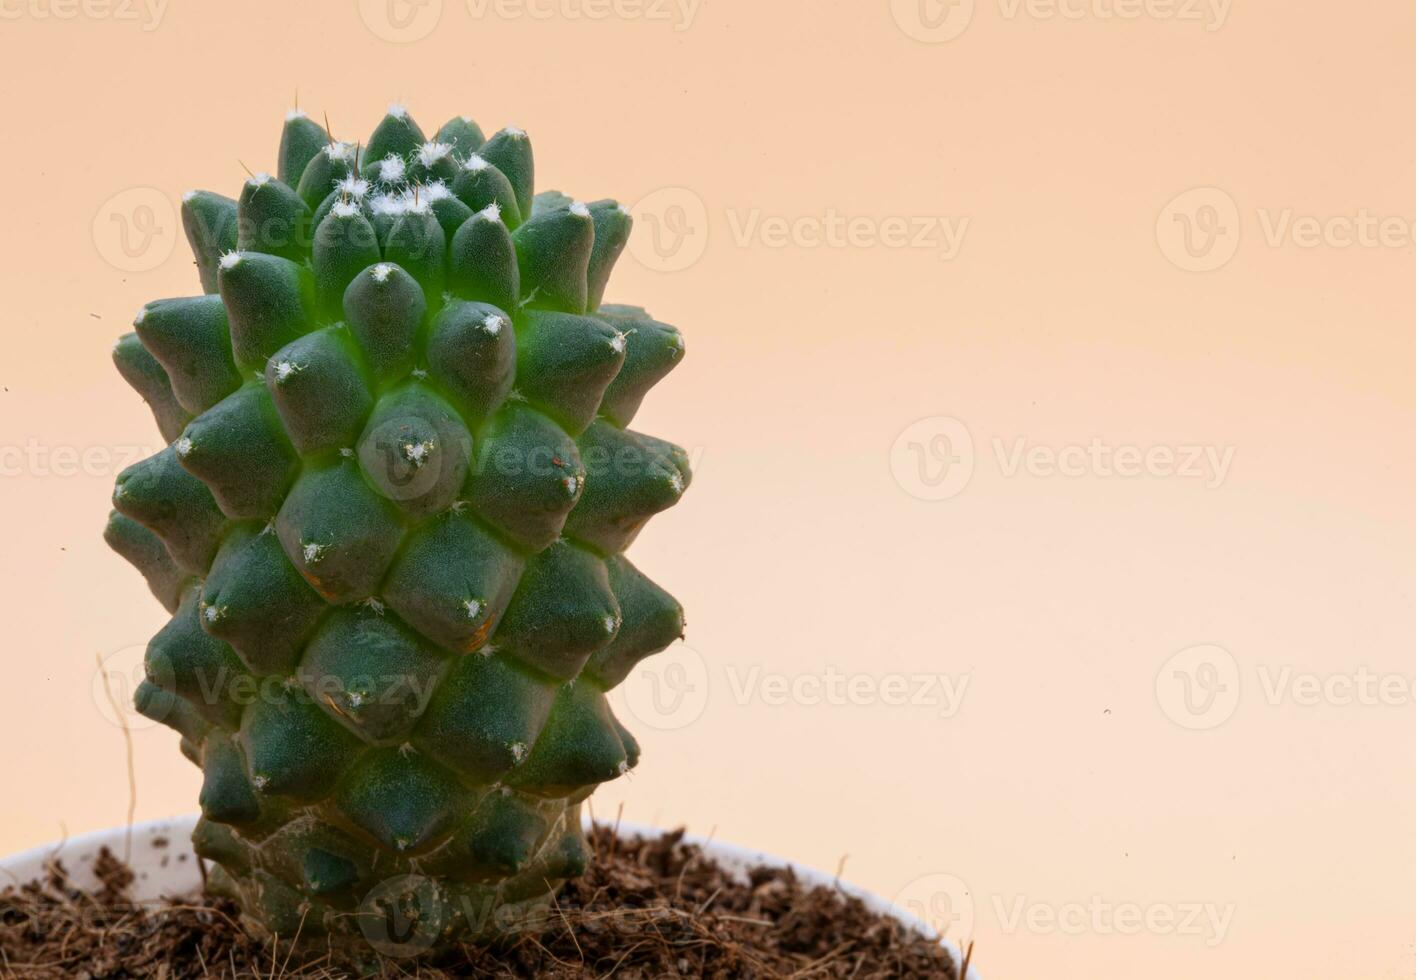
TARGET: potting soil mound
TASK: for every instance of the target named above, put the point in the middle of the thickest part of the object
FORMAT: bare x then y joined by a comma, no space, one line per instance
646,909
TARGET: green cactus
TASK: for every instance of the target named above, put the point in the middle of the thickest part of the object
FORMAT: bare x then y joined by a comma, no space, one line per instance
390,526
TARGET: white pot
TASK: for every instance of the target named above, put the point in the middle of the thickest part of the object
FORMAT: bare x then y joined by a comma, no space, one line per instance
165,866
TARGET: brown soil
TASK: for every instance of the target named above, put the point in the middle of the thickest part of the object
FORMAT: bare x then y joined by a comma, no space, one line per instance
647,909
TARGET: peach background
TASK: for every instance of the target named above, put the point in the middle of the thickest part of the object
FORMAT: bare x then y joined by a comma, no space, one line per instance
1061,319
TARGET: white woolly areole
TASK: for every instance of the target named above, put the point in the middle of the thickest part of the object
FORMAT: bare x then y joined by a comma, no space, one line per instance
344,209
676,481
417,453
353,186
475,162
187,197
259,180
284,369
292,114
183,446
311,552
397,110
436,191
580,209
473,607
387,204
492,212
493,324
622,209
391,169
213,613
338,151
381,272
433,151
516,132
142,315
230,260
407,201
617,342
